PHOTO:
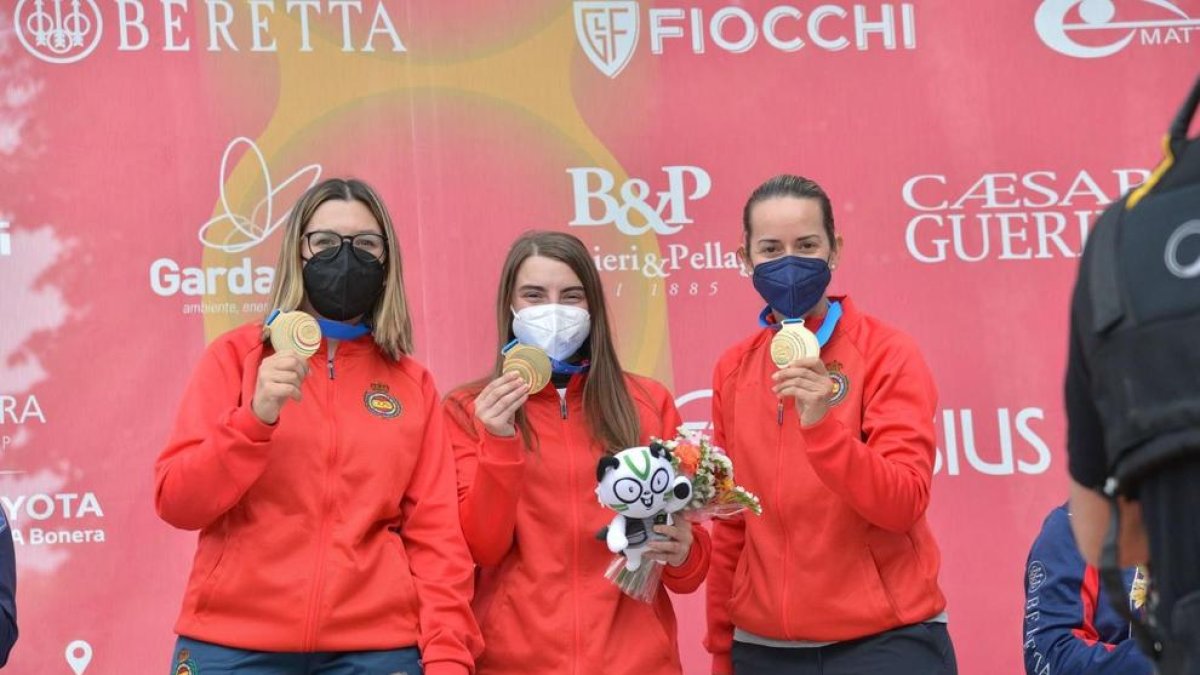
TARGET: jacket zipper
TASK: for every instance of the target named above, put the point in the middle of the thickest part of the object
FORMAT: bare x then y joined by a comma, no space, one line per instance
787,542
562,408
326,516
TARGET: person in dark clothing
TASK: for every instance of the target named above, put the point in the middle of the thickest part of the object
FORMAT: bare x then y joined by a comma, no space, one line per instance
1070,626
1133,396
8,591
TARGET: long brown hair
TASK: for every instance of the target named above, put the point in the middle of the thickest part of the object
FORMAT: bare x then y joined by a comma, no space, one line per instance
390,322
607,403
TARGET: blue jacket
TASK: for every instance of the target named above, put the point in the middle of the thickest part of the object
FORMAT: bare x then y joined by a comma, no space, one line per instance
8,591
1071,627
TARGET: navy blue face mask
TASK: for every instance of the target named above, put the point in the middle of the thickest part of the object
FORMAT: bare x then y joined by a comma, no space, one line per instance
792,285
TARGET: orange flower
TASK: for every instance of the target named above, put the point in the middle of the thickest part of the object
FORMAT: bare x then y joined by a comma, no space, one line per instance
689,458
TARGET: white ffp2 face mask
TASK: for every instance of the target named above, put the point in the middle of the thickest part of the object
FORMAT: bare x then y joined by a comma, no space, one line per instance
558,330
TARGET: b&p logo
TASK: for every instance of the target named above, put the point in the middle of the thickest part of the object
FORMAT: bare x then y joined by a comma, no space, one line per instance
1092,29
608,33
597,205
636,207
58,31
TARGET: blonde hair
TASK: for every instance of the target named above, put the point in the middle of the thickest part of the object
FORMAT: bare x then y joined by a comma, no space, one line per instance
390,322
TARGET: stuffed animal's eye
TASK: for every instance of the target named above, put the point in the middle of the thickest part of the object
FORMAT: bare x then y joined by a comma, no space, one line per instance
627,490
658,482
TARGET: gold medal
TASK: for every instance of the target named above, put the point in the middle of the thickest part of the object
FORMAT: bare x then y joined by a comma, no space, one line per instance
531,364
296,332
793,341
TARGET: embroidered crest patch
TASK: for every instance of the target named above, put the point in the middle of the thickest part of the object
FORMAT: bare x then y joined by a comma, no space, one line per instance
841,383
381,403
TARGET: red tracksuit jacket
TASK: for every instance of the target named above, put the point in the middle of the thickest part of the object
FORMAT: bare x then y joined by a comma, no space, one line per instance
842,549
531,520
336,529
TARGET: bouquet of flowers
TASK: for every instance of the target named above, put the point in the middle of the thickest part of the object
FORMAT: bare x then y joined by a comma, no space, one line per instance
714,494
700,487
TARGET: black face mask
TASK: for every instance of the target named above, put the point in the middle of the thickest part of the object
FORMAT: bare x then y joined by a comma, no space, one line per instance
342,283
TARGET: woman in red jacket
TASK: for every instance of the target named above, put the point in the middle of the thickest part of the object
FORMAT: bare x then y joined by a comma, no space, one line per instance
323,487
839,575
527,477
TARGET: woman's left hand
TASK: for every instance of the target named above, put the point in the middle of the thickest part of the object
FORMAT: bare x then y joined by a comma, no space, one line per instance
807,381
674,551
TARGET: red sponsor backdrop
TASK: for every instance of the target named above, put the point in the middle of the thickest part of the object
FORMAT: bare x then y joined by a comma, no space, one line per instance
148,149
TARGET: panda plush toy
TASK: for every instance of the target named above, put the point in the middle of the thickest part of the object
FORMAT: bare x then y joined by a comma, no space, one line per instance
641,485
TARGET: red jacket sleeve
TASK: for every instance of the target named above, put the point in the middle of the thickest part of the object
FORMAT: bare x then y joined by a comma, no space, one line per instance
218,447
728,538
688,576
885,476
489,471
437,555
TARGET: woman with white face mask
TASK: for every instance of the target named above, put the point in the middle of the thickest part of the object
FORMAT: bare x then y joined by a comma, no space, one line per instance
526,476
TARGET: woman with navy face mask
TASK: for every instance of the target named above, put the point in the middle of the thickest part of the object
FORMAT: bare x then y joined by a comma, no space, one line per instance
839,574
322,485
527,477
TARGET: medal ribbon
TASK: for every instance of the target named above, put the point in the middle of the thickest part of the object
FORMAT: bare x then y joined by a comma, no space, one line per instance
832,316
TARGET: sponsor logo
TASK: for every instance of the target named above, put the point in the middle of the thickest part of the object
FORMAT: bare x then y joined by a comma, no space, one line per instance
1034,215
608,32
67,31
232,232
43,510
58,31
696,409
1036,575
1091,29
599,201
79,655
1017,446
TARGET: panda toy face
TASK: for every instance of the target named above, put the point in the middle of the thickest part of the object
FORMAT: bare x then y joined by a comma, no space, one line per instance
641,482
